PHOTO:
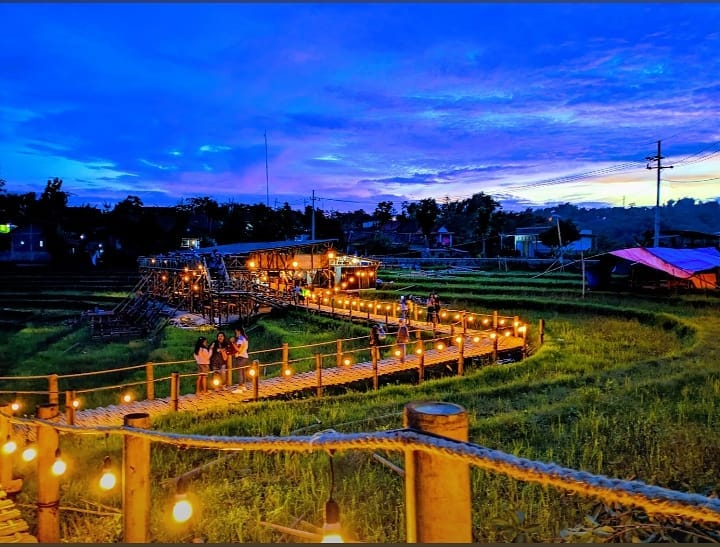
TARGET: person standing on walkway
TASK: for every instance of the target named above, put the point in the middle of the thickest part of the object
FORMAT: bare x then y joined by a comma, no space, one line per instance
430,317
219,354
202,358
242,343
377,338
403,338
403,307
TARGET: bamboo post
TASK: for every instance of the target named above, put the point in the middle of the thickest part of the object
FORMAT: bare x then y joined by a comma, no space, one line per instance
541,331
174,390
256,379
464,322
495,320
421,368
452,333
495,348
48,484
136,481
285,355
6,472
229,371
437,488
374,357
69,408
318,371
53,393
516,324
461,356
338,352
150,381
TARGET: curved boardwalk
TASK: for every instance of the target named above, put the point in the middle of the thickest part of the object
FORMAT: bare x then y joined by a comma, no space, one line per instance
476,344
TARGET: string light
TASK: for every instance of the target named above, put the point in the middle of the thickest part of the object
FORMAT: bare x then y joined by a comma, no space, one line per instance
29,453
127,397
332,532
182,509
15,406
10,446
108,479
59,466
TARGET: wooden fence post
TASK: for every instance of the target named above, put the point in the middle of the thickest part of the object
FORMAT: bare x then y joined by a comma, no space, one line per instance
461,356
136,481
495,320
494,337
318,371
69,408
285,355
421,368
6,471
374,357
437,488
255,375
541,331
229,371
53,393
48,484
338,352
174,390
516,324
149,381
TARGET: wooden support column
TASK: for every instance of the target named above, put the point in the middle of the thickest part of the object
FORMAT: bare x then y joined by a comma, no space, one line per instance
53,392
136,481
421,368
495,320
338,352
48,494
461,356
69,408
437,488
516,324
6,470
285,355
175,390
318,371
495,347
541,331
254,372
374,357
149,381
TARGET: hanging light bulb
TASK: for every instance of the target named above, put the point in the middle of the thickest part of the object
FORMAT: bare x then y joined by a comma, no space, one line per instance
15,406
59,466
182,509
30,453
10,445
331,527
108,479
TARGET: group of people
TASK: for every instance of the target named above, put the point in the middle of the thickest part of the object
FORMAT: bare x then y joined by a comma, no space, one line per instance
213,356
378,338
433,308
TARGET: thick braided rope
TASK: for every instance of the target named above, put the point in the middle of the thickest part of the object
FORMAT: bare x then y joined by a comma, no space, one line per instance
653,499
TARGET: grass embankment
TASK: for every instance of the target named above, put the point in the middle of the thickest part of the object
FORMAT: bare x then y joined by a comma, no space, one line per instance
622,387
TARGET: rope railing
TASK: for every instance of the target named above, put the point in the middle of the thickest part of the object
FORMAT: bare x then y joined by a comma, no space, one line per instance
652,499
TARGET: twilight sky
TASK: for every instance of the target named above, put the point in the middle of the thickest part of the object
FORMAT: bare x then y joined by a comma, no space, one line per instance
531,103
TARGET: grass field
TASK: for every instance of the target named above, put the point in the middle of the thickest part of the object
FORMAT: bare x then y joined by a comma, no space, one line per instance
625,385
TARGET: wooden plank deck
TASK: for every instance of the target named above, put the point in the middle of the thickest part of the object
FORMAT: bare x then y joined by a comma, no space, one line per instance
278,386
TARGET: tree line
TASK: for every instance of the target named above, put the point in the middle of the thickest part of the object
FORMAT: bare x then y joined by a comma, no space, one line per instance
479,223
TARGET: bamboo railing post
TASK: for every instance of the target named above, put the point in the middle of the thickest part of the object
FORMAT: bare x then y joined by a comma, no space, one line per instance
48,484
150,381
136,481
495,347
516,324
495,320
285,355
229,371
53,393
541,331
338,352
452,333
6,470
318,371
461,356
464,322
437,488
374,357
255,379
69,408
174,390
421,368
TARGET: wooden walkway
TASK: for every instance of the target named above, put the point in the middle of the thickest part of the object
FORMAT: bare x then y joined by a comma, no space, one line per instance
476,343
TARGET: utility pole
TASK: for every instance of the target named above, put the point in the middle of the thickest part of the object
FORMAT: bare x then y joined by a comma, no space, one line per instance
267,180
312,231
659,167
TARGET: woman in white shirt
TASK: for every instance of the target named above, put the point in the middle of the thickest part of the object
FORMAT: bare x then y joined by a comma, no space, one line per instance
202,358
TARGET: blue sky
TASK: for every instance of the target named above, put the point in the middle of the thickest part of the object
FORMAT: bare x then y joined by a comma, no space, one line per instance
531,103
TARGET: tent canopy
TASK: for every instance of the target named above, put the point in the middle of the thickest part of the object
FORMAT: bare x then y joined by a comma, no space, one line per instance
681,263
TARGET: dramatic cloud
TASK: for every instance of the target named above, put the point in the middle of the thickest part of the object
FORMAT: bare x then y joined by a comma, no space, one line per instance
531,103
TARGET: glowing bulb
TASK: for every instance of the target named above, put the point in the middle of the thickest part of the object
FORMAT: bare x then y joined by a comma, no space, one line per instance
347,362
398,353
29,454
108,480
419,351
441,346
183,509
127,398
476,339
58,467
76,403
216,381
10,446
15,406
458,339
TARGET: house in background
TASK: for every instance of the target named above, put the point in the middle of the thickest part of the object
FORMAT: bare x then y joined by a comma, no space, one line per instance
528,244
25,245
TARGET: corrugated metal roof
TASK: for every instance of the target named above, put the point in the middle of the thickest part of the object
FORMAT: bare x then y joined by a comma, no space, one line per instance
254,246
681,263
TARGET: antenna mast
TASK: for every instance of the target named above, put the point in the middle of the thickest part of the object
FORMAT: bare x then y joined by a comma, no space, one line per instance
267,180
